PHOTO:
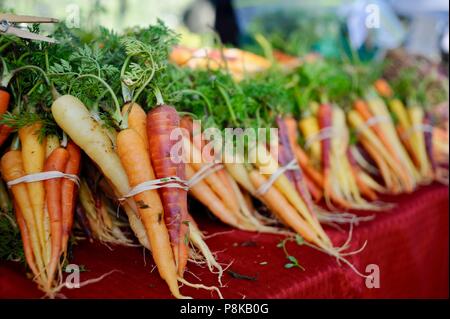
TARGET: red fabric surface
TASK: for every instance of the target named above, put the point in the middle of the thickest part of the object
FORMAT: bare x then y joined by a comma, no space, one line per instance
408,243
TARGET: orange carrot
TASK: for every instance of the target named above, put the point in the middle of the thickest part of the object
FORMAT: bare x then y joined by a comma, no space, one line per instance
57,161
160,123
137,120
26,241
4,101
401,133
383,88
282,208
69,191
218,181
202,192
363,109
4,133
365,190
136,162
315,191
12,168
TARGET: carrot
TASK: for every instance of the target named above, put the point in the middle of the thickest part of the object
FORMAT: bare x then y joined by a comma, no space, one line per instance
369,137
4,100
5,201
202,192
383,166
136,162
315,191
379,108
324,115
68,191
26,241
309,127
218,181
407,143
428,138
282,208
239,173
4,133
265,162
213,180
74,118
33,155
301,156
160,123
12,168
51,144
398,108
57,161
286,156
383,88
416,114
365,189
194,131
363,109
137,120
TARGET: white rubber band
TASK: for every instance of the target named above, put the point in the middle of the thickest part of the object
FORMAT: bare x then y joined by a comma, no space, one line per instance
169,182
174,181
323,134
373,121
204,172
426,128
43,176
292,165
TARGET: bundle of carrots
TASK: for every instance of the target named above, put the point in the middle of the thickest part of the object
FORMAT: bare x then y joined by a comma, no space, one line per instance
44,208
129,116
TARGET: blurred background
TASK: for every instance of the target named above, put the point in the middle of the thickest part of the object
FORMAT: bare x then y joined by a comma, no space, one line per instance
370,28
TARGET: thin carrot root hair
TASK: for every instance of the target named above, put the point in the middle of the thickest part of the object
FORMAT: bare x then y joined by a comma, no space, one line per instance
196,239
55,291
331,218
200,286
338,252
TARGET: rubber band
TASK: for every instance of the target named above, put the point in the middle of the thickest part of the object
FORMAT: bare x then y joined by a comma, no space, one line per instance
323,134
426,128
264,188
204,172
373,121
174,181
43,176
169,182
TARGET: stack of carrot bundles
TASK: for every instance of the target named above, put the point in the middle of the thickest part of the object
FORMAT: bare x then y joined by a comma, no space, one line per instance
106,139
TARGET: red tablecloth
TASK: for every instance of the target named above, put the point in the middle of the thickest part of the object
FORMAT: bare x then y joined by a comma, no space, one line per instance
408,243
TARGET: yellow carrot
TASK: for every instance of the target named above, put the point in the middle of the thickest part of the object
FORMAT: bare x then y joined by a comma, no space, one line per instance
310,127
416,115
52,143
33,156
266,163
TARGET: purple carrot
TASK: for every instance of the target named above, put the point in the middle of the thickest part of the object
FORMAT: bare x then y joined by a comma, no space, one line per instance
428,137
286,155
324,116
